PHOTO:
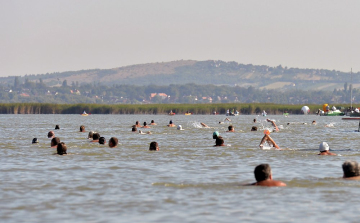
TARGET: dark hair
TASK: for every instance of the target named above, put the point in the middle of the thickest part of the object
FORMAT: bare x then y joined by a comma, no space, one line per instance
153,146
134,129
170,122
82,128
96,136
152,121
137,122
55,141
262,172
254,128
351,169
57,127
230,127
219,141
254,120
50,134
113,142
35,140
61,148
144,123
102,140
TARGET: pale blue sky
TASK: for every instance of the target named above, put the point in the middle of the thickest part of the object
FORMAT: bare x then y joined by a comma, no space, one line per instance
41,36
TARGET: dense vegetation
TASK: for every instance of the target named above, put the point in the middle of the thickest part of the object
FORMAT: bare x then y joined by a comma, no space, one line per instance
245,109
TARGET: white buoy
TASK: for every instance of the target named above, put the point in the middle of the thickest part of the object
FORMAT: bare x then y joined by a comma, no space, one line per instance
305,110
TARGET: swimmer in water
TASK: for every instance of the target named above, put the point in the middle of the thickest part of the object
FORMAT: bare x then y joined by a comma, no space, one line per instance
254,128
113,142
153,122
137,124
263,176
324,150
134,129
61,149
231,129
313,122
145,125
351,170
57,127
269,140
96,137
171,124
51,134
273,124
102,140
54,142
82,128
154,146
219,141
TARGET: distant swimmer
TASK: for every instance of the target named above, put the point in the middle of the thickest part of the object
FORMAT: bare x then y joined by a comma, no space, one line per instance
134,129
263,176
267,139
313,122
57,127
254,128
179,127
154,146
61,149
35,140
171,124
54,142
82,128
90,135
145,125
219,141
51,134
137,124
153,122
330,125
113,142
96,137
254,120
324,149
227,119
102,140
273,124
351,170
231,129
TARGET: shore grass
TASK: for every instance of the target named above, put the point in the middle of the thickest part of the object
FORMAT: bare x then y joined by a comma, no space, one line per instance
196,109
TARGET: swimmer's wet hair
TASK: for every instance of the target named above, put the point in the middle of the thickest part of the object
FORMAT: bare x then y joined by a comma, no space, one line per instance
230,127
55,141
219,141
82,128
254,128
262,172
153,146
134,129
96,136
113,142
91,134
57,127
102,140
61,148
51,134
351,169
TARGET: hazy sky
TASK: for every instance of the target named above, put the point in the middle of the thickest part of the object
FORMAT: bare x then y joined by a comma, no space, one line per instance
41,36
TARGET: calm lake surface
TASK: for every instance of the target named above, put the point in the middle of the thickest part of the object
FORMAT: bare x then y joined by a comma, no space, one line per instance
188,180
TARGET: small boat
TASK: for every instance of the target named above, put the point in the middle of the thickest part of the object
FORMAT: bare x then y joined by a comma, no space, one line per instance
351,118
264,113
171,113
188,113
84,114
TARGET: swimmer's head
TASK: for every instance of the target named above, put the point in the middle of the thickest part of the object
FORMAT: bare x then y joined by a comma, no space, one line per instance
145,123
113,142
102,140
170,122
219,141
54,141
154,146
35,140
230,128
51,134
91,133
61,148
215,134
57,127
134,129
152,121
262,172
96,136
179,127
82,128
254,128
351,169
323,147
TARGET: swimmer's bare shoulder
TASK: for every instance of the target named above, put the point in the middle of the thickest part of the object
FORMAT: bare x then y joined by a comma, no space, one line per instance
352,178
269,183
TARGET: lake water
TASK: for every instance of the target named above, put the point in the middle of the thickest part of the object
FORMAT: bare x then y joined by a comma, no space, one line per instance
188,180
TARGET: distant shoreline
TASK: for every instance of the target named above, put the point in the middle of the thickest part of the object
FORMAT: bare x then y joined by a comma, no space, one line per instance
163,109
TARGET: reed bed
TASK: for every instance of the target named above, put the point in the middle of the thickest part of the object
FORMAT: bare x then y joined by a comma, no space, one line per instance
196,109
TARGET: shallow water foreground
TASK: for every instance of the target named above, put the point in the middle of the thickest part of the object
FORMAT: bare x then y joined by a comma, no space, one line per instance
188,180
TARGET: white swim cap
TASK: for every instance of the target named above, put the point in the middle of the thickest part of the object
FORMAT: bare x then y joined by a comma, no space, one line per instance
323,146
179,127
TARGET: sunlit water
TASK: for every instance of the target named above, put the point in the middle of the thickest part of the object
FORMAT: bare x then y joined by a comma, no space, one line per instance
188,180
